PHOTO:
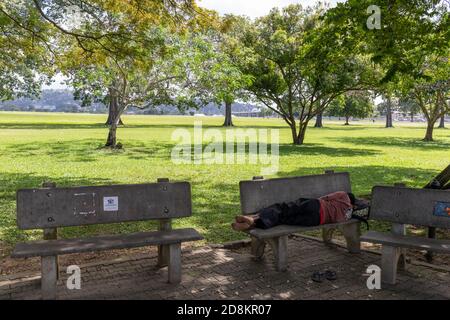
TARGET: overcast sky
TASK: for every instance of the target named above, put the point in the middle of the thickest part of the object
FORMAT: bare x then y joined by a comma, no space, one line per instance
254,8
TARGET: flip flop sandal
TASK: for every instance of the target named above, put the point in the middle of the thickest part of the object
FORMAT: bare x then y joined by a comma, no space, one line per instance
318,276
330,275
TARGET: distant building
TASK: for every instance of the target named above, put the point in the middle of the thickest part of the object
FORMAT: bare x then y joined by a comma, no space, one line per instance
254,113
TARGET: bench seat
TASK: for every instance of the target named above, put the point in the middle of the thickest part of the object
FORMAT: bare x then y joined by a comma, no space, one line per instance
261,193
402,206
421,243
287,230
46,248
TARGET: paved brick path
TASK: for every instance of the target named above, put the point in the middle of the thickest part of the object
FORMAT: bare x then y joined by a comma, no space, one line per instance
210,273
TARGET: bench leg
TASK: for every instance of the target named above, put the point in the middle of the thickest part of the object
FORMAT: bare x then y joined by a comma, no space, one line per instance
389,263
258,248
400,229
402,260
327,234
279,249
163,256
49,271
175,263
352,234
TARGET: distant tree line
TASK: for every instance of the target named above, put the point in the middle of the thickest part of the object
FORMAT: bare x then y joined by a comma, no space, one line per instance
298,62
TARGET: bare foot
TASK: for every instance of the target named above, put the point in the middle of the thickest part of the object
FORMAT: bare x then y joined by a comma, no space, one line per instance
240,226
246,219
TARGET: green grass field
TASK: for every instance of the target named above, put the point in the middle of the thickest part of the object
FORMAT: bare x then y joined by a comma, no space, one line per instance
66,148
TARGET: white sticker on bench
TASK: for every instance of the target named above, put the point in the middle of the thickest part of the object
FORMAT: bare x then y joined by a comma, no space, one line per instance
84,204
110,203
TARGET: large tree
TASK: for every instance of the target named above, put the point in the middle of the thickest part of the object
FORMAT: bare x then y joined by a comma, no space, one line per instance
27,55
352,104
404,36
170,79
298,65
433,100
388,106
227,83
431,91
406,29
408,106
94,34
212,76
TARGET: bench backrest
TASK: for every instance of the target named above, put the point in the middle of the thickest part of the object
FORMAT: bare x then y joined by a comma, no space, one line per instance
259,194
423,207
77,206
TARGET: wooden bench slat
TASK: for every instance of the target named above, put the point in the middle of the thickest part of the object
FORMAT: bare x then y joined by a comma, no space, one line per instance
409,206
421,243
287,230
67,246
78,206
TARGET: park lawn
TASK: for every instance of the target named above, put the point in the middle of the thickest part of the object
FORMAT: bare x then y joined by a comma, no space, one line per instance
66,149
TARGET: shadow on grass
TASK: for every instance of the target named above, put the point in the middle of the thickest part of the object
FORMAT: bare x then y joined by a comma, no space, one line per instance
320,149
412,143
215,205
48,126
339,127
91,150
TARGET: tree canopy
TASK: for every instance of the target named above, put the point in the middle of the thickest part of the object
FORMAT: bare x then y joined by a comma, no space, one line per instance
295,61
352,104
297,65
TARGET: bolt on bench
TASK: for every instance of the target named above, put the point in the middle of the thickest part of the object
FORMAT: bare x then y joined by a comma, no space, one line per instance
50,208
259,193
402,206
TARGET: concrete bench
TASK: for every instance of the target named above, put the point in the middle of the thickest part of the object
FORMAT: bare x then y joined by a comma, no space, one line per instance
260,193
50,208
440,182
402,206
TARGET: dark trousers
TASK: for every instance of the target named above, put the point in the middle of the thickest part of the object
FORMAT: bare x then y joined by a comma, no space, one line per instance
303,212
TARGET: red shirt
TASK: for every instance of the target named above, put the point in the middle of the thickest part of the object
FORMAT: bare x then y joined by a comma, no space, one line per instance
335,208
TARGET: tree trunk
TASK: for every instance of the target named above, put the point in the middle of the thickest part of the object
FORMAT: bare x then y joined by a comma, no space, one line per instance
294,134
442,122
109,121
112,111
346,121
389,114
412,117
429,134
228,118
111,141
301,133
319,123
